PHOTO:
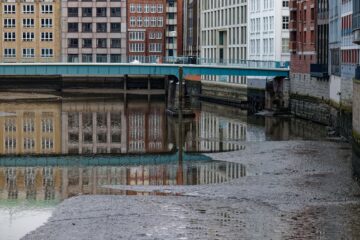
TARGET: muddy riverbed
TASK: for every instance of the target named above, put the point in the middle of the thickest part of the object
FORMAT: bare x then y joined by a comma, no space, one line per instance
292,190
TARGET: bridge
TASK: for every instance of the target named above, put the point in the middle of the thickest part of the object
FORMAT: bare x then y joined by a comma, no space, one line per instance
247,68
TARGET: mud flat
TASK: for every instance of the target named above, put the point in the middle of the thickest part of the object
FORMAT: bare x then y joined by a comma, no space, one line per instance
292,190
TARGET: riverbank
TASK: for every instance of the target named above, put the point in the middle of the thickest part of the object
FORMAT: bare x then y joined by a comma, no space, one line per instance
293,189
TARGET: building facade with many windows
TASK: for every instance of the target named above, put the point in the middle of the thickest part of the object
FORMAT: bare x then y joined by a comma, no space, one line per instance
223,35
146,30
268,33
30,31
93,31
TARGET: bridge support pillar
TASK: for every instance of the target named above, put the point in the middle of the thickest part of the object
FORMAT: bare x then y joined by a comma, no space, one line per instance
148,82
125,82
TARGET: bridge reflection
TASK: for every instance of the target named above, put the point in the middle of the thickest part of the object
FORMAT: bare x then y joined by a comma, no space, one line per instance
58,183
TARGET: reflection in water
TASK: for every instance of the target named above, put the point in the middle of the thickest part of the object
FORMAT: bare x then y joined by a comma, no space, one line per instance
58,183
119,125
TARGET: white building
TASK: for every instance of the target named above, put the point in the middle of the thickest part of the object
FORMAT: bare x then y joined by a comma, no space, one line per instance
268,33
223,35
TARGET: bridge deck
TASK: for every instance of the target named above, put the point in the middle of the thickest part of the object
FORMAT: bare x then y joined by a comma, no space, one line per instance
116,69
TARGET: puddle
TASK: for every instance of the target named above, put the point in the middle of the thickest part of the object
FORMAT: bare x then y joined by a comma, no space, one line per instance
31,189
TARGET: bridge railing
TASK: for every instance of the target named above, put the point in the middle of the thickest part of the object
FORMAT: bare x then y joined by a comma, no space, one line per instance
161,60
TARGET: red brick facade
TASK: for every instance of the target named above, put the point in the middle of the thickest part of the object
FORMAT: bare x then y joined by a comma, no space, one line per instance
302,35
147,11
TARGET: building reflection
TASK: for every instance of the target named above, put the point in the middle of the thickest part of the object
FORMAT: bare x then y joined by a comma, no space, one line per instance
96,127
48,183
30,128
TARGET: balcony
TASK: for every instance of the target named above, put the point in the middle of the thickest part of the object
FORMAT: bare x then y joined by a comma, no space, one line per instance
356,36
171,9
171,21
319,70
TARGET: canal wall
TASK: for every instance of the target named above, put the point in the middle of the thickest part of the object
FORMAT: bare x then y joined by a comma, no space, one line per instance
356,128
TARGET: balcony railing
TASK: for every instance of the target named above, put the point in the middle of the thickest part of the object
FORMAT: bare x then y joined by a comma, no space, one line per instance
319,70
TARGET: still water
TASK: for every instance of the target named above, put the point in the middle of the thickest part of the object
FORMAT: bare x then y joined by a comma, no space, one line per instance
56,147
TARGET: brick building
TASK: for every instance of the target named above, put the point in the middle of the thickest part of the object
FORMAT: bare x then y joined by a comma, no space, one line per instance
146,30
154,29
308,46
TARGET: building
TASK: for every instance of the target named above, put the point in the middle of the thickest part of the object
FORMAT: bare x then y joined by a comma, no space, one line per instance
268,34
154,30
146,30
308,47
334,49
349,54
30,128
94,127
93,31
191,28
174,28
223,37
30,31
356,93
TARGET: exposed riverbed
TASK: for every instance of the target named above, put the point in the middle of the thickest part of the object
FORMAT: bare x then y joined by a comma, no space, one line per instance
294,190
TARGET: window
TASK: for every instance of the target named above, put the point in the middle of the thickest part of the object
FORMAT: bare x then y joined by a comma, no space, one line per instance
285,45
9,52
160,22
136,36
29,143
87,27
285,22
115,12
101,43
132,21
73,42
285,3
87,43
28,8
101,58
115,43
101,27
73,27
132,8
146,8
47,143
152,8
115,27
139,8
137,47
9,36
46,22
9,9
47,52
115,58
10,143
160,8
9,23
101,12
73,58
46,36
155,47
28,23
87,58
73,12
28,36
28,53
139,21
87,12
47,123
47,8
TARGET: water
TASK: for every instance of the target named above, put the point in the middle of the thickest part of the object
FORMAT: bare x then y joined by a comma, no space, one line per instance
122,140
